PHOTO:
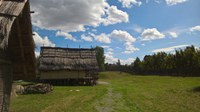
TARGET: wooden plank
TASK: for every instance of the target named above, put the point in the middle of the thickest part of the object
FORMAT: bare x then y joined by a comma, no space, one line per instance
12,8
21,45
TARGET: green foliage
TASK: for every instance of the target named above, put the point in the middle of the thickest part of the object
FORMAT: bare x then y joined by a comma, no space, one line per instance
118,63
123,93
183,63
137,65
100,57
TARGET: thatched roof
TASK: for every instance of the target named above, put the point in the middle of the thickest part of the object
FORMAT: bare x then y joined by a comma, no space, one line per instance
16,42
55,58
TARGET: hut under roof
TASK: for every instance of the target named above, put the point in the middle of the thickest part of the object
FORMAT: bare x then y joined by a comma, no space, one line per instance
68,64
16,46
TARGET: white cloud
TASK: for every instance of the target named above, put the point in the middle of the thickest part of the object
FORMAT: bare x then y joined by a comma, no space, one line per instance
110,49
195,28
109,58
103,38
66,35
122,35
86,38
129,48
127,61
115,34
112,60
109,53
37,53
39,41
174,2
173,34
175,31
130,3
169,49
137,29
115,16
151,34
74,15
105,46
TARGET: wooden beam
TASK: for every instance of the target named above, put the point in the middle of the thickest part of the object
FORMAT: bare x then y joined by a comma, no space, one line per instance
7,15
21,45
32,11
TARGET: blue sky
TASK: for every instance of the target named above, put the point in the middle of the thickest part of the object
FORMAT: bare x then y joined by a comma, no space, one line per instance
125,28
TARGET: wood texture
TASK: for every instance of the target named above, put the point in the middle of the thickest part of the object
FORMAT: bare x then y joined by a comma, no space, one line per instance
16,59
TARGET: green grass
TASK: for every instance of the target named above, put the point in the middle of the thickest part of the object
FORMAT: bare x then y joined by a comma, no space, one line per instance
124,93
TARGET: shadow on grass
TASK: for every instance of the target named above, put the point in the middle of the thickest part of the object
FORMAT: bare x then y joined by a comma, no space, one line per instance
196,89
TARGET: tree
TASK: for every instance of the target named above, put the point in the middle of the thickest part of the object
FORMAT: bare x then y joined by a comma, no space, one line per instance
137,65
100,57
185,62
119,65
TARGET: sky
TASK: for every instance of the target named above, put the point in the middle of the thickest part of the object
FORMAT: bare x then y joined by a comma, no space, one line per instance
126,29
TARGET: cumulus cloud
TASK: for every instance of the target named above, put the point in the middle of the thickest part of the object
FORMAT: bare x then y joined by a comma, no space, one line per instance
115,34
174,2
112,60
109,58
127,61
66,35
74,15
40,41
122,35
173,34
130,3
115,16
129,48
195,28
86,38
151,34
169,49
102,38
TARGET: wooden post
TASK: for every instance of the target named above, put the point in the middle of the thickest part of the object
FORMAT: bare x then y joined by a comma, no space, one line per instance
5,84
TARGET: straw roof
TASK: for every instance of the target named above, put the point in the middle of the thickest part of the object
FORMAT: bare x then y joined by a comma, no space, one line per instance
55,58
16,42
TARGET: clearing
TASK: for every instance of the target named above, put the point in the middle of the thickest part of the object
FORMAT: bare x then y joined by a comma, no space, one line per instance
118,93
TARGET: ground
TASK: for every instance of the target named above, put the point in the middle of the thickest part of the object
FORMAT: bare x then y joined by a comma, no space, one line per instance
118,93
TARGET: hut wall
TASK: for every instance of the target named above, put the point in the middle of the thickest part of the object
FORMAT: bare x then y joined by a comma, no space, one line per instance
21,46
5,84
62,74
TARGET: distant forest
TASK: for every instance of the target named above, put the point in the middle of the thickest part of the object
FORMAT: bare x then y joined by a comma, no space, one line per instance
184,62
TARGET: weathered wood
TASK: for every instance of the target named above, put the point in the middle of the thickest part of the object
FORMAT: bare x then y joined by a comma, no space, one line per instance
21,46
5,85
14,33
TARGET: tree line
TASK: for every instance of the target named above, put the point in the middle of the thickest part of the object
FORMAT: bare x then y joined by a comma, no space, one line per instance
184,62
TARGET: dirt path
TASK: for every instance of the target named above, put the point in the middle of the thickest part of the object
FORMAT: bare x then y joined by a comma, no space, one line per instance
111,102
102,83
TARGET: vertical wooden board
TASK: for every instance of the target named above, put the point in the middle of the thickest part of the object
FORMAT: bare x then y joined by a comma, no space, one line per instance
5,86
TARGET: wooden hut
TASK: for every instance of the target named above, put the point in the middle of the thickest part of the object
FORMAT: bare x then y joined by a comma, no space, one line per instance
16,46
64,66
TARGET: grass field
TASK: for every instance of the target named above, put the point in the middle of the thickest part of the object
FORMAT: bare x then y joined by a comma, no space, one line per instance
124,93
